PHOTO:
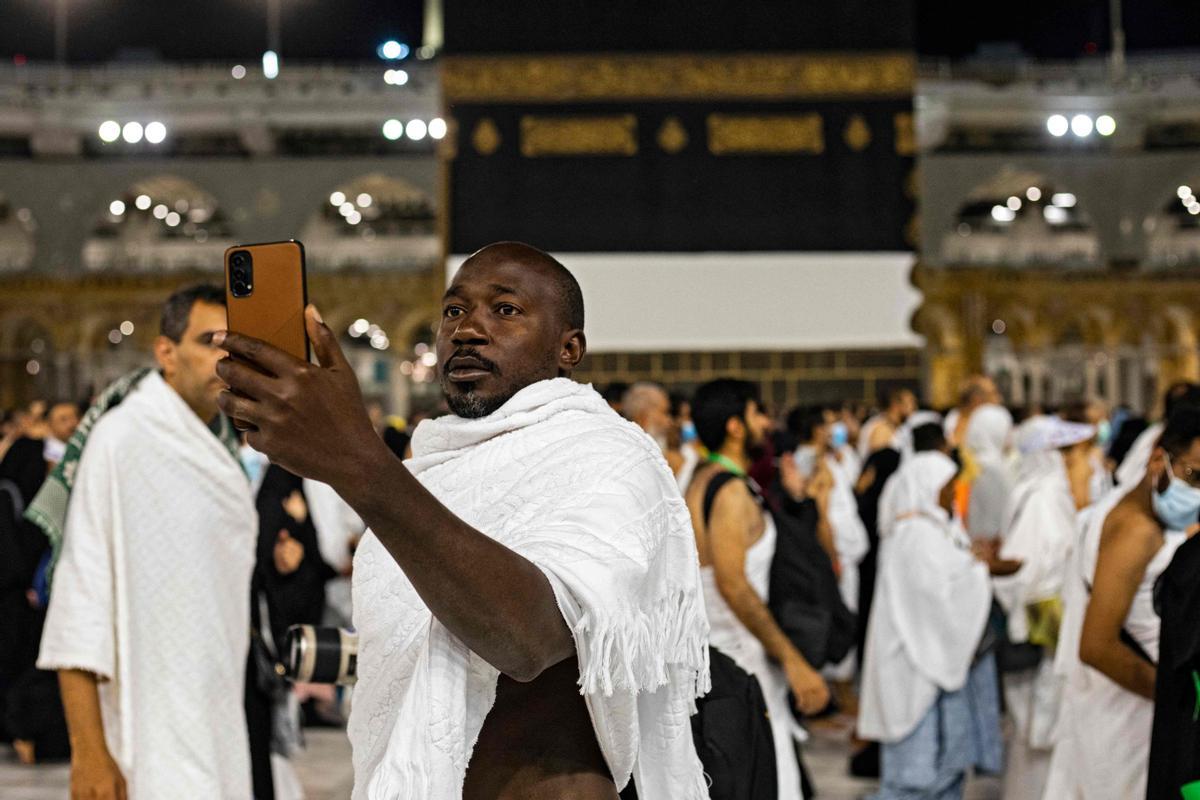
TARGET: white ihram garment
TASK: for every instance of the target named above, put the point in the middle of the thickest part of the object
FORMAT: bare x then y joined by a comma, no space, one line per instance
1133,467
152,594
558,477
931,604
1040,532
1102,747
731,637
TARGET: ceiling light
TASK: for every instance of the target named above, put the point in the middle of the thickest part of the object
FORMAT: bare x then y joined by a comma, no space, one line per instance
1057,125
110,130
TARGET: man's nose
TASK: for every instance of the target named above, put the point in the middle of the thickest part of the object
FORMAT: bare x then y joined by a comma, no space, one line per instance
470,331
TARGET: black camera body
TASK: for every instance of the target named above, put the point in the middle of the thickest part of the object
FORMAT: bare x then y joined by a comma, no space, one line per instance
321,655
241,273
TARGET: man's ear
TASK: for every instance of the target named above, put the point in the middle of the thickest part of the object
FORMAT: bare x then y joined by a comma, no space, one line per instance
735,429
166,355
574,347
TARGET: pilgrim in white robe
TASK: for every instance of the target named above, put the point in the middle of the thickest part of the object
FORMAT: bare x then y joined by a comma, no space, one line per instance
920,674
1102,742
1040,532
152,594
561,479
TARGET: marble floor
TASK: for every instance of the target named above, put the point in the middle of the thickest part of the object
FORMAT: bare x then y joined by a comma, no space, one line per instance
325,771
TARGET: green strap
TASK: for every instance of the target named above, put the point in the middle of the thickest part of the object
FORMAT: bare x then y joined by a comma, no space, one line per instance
1190,791
727,463
1196,684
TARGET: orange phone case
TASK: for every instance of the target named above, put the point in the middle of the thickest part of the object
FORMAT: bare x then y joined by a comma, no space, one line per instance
273,311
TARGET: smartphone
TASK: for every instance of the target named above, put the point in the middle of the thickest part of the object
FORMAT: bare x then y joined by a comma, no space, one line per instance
266,291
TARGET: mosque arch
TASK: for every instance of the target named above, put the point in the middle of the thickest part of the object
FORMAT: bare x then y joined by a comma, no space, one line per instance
17,226
161,223
1173,228
373,222
1021,218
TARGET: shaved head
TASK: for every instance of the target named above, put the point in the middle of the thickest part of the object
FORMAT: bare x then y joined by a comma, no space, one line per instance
565,287
512,316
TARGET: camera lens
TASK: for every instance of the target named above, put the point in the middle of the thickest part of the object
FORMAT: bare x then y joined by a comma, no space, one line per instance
240,288
239,274
238,259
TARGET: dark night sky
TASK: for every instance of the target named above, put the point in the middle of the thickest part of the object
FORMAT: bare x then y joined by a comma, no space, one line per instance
225,30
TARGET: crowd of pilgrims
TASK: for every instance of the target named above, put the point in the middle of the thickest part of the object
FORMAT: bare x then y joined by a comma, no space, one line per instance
975,587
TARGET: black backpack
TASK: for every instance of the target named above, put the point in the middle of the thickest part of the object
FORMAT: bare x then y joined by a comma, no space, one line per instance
732,734
804,597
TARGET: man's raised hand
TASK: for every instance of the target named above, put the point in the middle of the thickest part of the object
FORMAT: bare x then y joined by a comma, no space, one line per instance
308,418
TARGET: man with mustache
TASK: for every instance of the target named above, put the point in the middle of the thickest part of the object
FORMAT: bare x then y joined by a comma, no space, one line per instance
528,599
149,606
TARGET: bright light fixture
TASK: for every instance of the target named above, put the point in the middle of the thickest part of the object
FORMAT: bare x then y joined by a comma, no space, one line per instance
270,64
437,127
1063,199
143,202
156,132
110,130
393,129
1081,125
1003,214
116,208
415,129
1057,125
1106,125
132,132
1033,193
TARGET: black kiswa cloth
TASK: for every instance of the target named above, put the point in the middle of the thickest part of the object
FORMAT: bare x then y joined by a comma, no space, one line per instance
1175,742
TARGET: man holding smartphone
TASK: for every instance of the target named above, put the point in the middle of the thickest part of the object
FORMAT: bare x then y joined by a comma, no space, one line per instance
527,600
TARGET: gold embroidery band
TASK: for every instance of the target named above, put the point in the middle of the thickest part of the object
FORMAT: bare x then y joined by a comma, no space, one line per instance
608,135
558,78
733,134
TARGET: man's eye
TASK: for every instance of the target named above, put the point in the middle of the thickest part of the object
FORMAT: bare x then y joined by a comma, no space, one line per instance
508,310
452,311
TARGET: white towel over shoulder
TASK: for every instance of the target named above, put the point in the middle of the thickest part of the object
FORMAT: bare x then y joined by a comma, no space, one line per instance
558,477
152,594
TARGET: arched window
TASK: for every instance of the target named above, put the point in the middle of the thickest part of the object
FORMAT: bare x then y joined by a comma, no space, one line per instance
164,223
373,222
1021,219
16,236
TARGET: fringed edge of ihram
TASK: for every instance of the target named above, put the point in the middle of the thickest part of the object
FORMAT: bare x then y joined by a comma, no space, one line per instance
641,650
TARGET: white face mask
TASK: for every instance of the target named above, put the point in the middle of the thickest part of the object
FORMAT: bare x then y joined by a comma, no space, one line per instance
806,460
1178,508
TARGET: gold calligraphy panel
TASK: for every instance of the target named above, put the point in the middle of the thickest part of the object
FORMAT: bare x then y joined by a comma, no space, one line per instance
601,135
734,134
558,78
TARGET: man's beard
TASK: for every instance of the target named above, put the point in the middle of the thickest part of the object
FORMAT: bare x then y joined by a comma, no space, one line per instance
471,404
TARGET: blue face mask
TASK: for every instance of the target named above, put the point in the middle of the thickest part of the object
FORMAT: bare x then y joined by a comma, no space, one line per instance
253,462
1104,433
1179,506
839,435
688,432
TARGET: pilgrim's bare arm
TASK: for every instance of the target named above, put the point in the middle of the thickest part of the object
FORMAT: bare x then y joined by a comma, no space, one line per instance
495,600
93,771
1125,552
734,512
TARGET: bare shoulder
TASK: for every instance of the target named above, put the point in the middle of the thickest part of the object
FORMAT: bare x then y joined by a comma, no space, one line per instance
1129,531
